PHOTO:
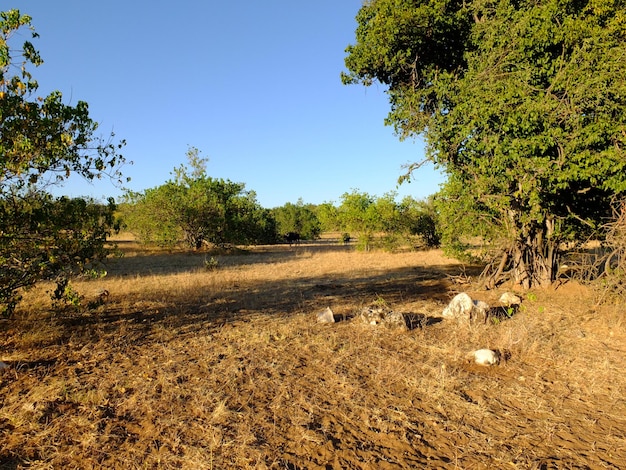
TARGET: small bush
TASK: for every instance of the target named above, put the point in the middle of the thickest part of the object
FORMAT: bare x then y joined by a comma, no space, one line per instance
211,264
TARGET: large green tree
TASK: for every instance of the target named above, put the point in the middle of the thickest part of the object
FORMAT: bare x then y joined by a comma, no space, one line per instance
358,214
43,142
521,103
420,218
300,218
198,209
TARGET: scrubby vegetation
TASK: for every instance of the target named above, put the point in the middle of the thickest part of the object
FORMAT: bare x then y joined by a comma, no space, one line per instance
196,209
197,347
199,211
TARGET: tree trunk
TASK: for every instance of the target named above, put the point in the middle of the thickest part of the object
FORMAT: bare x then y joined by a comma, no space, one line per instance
535,256
494,279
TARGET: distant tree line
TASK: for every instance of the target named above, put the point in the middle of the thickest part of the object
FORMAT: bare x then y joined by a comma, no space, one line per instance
197,210
383,222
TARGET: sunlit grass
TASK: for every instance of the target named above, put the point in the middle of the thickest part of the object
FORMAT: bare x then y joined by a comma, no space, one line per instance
184,367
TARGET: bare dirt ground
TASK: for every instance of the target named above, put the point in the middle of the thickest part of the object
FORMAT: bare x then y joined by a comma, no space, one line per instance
184,367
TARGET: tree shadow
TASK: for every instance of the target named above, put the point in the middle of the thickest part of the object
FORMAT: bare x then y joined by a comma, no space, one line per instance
11,462
209,311
420,320
162,262
191,310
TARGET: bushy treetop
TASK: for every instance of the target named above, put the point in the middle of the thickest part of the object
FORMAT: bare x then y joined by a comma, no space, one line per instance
521,103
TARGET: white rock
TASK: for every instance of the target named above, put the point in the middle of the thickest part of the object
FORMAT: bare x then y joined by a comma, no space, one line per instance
485,357
3,365
481,306
326,316
509,299
463,307
459,307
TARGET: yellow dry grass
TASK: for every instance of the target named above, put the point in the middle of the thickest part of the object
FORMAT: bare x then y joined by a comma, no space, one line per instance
184,367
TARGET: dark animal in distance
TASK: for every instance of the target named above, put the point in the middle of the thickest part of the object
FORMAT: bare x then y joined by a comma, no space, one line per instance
292,237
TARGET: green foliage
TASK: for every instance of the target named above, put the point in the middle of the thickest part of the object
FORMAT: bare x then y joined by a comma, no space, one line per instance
198,209
299,218
390,221
65,294
421,219
469,230
211,264
521,103
146,216
408,45
357,213
383,220
328,217
43,142
43,238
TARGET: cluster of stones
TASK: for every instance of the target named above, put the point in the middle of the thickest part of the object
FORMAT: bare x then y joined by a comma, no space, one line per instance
462,307
383,316
373,315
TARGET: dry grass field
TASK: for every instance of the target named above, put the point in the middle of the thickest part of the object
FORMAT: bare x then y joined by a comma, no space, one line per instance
185,367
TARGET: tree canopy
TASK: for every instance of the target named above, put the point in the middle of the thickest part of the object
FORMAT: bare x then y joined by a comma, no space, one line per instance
43,142
385,222
297,218
521,103
198,209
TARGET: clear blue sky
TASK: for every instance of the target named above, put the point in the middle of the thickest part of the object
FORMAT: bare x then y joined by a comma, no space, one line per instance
255,86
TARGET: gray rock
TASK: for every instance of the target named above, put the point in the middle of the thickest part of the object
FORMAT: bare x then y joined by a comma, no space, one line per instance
480,311
459,307
394,321
464,308
382,316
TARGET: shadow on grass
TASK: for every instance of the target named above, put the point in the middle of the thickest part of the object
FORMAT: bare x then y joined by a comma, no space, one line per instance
176,263
186,313
11,463
420,320
191,311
